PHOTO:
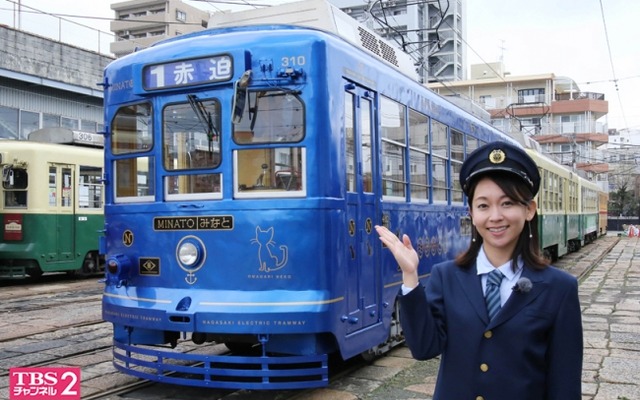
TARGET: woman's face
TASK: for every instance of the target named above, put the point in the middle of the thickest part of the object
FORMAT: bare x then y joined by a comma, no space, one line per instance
498,219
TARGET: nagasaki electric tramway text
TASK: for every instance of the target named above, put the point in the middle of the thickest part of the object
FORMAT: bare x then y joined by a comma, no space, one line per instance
51,203
245,170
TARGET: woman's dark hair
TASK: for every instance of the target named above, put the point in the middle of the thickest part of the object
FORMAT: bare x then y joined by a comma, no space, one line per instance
527,247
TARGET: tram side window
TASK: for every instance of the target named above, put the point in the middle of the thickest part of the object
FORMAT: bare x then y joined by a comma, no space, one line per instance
561,201
67,188
131,129
544,191
14,183
573,195
394,147
472,144
419,155
90,187
457,157
350,142
440,150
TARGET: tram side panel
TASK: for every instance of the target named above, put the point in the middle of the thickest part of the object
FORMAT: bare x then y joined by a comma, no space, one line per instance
43,230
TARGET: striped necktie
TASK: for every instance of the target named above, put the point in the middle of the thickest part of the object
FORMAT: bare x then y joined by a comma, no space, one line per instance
492,293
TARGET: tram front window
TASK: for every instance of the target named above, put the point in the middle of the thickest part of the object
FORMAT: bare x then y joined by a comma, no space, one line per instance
134,179
191,141
14,183
131,129
274,172
270,117
275,116
191,136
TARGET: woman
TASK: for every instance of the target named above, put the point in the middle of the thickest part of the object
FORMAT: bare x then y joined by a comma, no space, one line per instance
531,345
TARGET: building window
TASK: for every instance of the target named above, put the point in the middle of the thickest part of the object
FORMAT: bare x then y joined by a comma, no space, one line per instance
70,123
181,15
533,95
9,123
29,122
50,121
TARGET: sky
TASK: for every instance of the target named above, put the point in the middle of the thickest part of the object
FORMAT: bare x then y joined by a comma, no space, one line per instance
593,42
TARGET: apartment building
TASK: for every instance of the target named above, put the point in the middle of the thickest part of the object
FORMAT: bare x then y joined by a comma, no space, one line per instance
140,23
551,109
431,31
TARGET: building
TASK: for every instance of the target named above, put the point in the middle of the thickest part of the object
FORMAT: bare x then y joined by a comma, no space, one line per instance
140,23
46,83
431,31
433,36
551,109
623,151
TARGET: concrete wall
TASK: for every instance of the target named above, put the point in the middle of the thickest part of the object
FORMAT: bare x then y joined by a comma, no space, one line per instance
25,53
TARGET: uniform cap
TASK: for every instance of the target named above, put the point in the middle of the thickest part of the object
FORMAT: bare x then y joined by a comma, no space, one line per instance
499,156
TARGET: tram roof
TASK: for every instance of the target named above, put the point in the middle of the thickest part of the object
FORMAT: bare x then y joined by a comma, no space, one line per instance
60,135
322,15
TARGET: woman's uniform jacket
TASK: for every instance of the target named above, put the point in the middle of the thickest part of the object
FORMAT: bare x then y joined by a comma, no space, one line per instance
531,350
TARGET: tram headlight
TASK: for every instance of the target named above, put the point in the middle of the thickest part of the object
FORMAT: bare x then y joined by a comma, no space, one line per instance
188,254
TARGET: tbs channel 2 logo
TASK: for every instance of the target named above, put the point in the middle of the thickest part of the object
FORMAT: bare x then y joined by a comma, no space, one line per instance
44,383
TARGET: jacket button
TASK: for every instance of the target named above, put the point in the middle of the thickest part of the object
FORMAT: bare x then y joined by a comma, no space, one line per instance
484,367
488,334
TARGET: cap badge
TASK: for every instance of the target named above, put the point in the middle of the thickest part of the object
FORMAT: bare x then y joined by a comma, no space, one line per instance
497,156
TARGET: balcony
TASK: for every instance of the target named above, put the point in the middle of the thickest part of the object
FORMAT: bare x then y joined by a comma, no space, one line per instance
580,102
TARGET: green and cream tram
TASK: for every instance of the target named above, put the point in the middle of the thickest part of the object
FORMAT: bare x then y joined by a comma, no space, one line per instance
51,203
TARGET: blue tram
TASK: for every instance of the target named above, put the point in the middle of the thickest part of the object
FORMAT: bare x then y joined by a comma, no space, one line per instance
245,169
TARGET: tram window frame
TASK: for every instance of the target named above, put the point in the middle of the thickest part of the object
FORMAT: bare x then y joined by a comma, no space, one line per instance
419,156
15,193
561,195
264,115
124,171
440,156
198,183
90,189
471,144
186,143
457,158
132,129
393,152
350,142
273,178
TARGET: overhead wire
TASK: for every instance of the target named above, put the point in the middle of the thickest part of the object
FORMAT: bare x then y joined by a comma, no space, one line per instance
613,71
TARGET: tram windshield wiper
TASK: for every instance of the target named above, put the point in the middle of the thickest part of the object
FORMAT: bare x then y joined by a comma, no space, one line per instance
205,118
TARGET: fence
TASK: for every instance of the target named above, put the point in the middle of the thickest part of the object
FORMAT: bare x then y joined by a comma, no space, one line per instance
66,30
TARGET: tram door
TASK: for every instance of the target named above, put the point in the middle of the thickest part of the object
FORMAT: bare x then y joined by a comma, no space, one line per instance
359,124
60,232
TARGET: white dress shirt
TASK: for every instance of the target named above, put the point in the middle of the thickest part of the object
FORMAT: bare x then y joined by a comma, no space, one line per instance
484,267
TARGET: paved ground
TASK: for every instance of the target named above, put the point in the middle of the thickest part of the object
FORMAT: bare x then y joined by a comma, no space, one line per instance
610,298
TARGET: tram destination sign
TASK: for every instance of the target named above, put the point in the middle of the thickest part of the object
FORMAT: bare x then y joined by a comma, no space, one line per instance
196,71
200,223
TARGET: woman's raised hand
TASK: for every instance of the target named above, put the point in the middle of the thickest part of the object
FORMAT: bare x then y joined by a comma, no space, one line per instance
404,253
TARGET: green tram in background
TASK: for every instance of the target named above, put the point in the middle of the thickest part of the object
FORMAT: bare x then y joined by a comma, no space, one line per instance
51,203
570,208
